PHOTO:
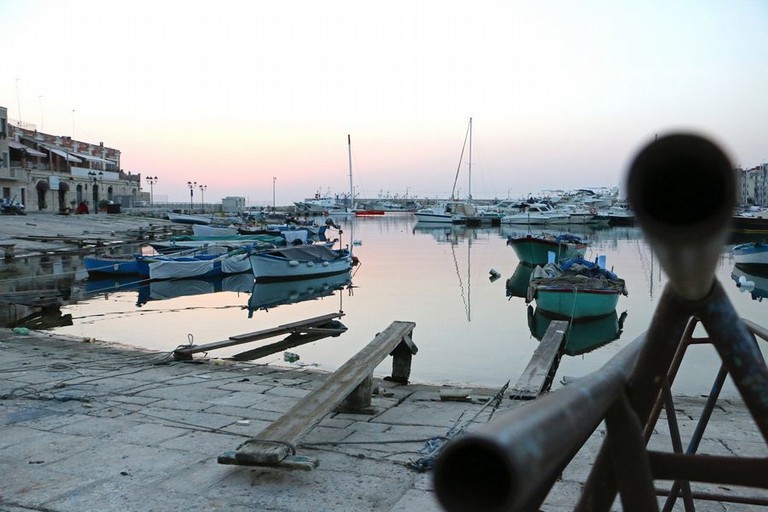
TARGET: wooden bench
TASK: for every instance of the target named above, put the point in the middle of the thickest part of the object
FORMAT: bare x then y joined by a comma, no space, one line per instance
349,388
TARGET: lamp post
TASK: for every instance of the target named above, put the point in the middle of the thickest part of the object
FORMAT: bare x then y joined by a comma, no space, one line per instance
151,180
96,178
191,185
203,188
274,180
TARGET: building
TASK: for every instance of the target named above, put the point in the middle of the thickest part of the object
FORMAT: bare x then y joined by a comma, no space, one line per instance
753,185
56,173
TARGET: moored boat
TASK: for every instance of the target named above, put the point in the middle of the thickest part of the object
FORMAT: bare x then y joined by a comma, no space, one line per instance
535,249
575,289
299,262
184,218
751,254
111,265
581,337
197,265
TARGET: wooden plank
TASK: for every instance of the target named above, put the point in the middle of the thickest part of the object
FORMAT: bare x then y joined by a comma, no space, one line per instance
531,382
278,440
300,326
294,340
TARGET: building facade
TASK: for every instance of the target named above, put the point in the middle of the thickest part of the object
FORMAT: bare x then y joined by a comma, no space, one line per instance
753,186
56,173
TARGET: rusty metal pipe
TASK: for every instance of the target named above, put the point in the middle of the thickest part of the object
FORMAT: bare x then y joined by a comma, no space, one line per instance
508,463
682,188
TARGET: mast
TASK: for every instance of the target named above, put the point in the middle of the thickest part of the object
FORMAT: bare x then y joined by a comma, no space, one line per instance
351,193
470,159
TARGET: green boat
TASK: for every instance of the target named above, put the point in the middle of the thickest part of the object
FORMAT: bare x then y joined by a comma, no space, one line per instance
575,289
535,249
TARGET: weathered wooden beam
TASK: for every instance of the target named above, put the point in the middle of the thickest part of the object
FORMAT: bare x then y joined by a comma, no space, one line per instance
534,377
278,440
186,351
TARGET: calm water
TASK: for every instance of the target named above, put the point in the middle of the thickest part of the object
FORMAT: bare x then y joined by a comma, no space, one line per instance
468,330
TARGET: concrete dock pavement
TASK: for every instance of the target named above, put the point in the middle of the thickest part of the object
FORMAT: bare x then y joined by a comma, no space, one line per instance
91,426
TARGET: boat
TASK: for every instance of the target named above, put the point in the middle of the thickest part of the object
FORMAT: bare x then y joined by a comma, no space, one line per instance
752,218
453,211
580,337
535,249
299,262
536,213
211,230
202,243
751,254
446,212
575,289
110,265
267,295
183,218
196,265
317,205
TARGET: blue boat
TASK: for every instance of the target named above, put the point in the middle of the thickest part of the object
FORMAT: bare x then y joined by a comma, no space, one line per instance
194,265
110,265
576,289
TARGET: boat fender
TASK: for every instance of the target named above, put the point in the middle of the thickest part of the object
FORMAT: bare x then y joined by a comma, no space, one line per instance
325,263
293,263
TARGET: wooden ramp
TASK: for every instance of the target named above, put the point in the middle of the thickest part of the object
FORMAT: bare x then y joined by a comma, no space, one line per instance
300,332
535,376
348,387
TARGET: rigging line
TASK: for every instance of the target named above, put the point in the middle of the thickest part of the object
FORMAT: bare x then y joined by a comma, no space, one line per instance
461,158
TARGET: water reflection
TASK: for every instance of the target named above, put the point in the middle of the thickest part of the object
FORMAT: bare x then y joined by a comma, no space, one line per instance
581,336
269,295
517,285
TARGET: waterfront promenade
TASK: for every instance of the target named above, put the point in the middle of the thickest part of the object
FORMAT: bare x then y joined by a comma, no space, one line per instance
89,426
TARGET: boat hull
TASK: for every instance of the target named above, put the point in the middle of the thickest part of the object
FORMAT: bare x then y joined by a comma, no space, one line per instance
110,266
751,254
299,263
574,303
532,250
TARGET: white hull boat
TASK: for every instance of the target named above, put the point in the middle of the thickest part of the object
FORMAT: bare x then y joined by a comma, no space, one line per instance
299,262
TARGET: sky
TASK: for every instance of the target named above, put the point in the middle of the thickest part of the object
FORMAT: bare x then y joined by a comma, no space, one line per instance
256,98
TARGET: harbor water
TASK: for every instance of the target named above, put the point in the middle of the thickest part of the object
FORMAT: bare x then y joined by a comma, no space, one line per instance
462,286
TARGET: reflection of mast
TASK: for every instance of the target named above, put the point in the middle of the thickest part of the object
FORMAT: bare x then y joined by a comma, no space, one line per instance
467,300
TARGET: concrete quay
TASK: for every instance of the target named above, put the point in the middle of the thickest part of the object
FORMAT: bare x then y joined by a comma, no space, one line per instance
89,426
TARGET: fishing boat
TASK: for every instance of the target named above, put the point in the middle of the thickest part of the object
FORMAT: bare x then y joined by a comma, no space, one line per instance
575,289
535,249
299,262
269,295
110,265
517,284
751,254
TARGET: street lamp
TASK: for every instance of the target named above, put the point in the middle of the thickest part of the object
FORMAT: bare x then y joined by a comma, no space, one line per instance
203,188
151,180
97,178
274,180
191,185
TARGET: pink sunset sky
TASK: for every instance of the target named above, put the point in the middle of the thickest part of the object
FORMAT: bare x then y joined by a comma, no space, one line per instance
232,94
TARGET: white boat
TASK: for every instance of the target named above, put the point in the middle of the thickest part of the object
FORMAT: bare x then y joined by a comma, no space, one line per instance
317,205
183,218
299,262
536,213
446,212
751,254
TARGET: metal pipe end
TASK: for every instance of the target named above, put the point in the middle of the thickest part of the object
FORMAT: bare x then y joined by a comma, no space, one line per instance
682,188
473,474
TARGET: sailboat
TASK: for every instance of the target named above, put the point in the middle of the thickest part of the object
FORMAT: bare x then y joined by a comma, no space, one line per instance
453,211
349,202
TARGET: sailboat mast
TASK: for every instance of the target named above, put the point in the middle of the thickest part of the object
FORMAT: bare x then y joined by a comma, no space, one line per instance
470,158
351,193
